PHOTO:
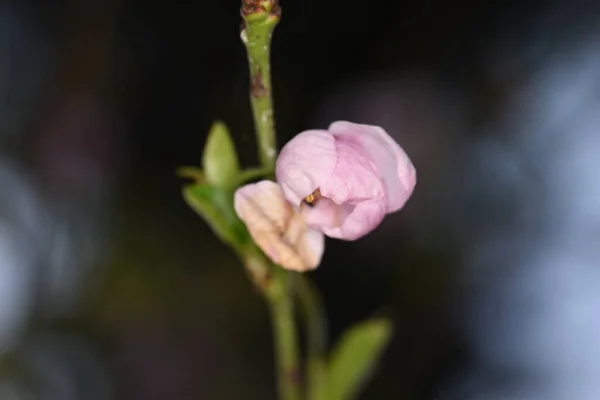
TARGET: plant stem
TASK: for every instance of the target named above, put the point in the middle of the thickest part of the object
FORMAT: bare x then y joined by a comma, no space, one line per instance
259,22
284,331
316,332
260,19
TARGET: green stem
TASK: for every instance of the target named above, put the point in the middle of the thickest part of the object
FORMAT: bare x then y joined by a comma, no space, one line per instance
316,332
260,21
284,332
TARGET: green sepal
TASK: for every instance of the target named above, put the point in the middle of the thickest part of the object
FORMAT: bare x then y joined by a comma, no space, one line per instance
215,205
220,161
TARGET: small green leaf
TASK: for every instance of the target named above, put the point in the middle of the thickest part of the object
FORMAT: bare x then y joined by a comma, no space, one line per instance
215,206
354,358
220,161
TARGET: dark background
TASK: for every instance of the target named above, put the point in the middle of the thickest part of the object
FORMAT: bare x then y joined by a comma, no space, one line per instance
166,308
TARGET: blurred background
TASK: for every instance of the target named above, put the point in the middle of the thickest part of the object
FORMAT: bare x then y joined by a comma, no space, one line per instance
112,288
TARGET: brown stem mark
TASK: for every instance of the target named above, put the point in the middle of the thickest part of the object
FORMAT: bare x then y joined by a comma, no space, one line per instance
295,376
258,89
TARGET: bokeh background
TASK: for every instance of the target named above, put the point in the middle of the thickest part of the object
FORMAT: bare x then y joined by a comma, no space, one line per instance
112,288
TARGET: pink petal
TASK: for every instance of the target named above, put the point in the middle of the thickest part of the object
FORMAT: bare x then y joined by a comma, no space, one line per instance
304,163
277,228
365,218
347,177
355,183
394,165
361,173
355,177
327,214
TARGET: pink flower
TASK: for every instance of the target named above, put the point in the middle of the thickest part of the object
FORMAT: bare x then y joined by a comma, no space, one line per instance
351,175
277,228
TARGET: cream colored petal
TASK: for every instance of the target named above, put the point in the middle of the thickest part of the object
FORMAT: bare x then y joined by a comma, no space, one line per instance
277,228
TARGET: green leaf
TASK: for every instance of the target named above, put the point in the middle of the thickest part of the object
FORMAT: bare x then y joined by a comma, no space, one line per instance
215,206
220,161
354,358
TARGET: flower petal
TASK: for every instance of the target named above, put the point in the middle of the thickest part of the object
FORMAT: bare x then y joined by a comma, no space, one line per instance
327,214
355,177
277,228
364,219
394,165
353,200
304,162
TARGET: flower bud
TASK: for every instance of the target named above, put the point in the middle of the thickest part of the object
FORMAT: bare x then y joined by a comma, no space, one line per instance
220,161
